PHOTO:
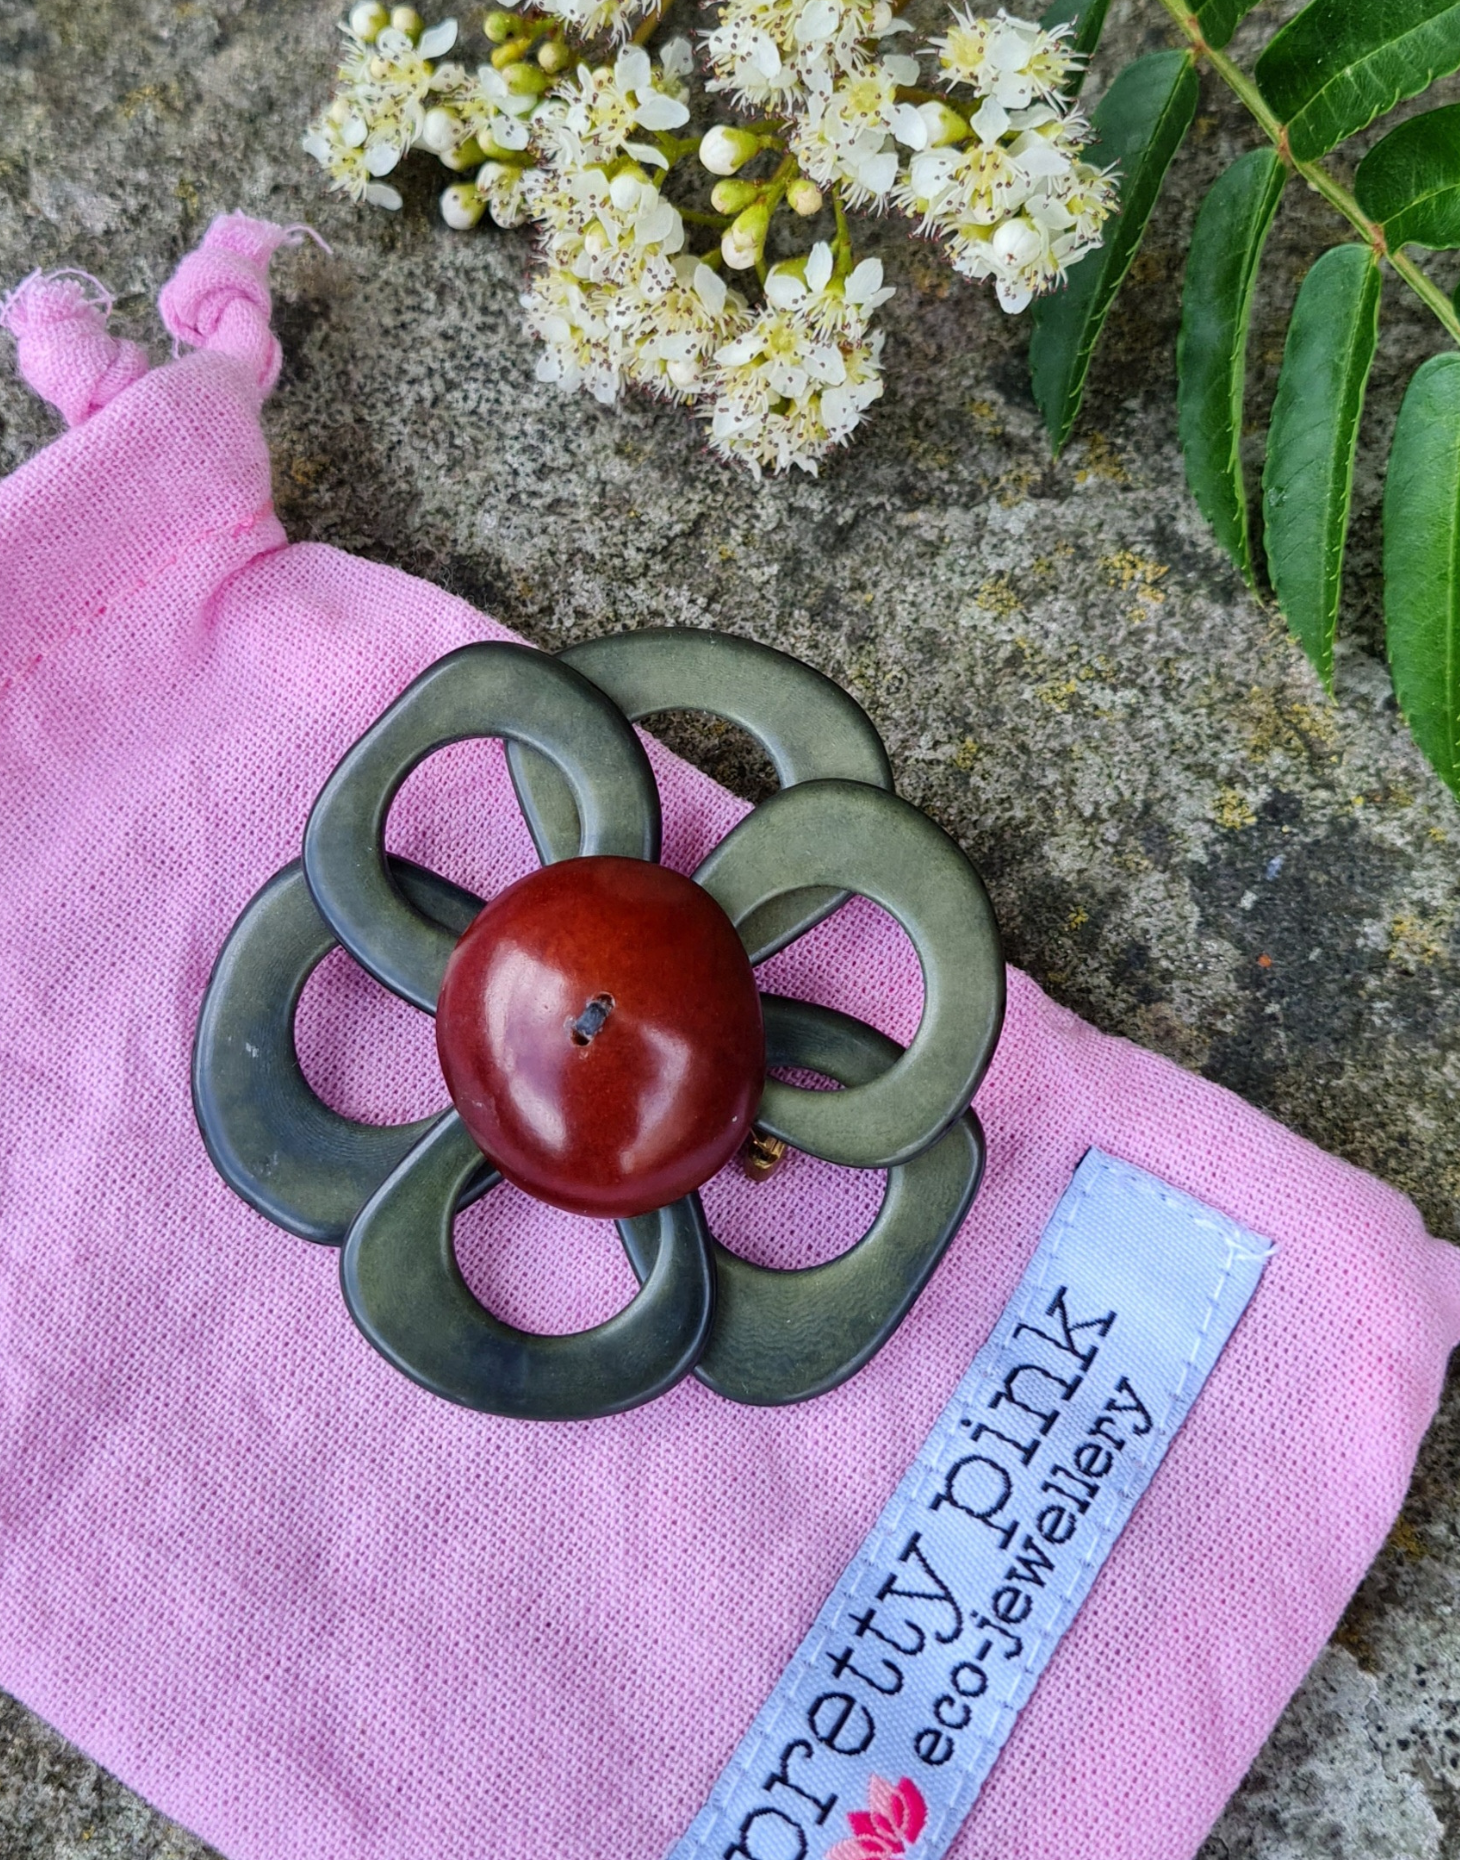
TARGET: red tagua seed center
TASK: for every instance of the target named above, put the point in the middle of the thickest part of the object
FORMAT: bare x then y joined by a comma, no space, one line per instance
600,1032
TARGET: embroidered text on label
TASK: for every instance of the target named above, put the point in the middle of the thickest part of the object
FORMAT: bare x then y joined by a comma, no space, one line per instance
923,1656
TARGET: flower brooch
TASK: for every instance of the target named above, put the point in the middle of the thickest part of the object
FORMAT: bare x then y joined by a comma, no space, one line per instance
600,1032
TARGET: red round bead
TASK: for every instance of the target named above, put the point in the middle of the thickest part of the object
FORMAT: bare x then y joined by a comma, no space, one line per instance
600,1032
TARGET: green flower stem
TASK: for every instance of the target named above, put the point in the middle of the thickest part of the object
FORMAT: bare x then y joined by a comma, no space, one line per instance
842,244
1313,172
649,25
695,218
773,191
772,194
674,148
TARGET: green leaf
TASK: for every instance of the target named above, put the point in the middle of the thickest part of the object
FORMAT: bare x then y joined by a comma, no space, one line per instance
1219,19
1341,63
1308,480
1211,352
1422,562
1140,122
1088,19
1410,182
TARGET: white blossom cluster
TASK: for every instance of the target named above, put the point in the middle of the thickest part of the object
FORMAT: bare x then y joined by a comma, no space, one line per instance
1005,188
380,107
618,300
990,164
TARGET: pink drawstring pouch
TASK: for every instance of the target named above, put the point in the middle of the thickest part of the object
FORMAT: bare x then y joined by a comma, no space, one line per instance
315,1613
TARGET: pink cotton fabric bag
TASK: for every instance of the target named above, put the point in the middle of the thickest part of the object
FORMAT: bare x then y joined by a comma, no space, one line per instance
316,1614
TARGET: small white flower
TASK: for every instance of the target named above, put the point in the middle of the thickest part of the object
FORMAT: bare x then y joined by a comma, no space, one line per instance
670,342
845,131
811,288
595,115
621,232
1010,60
484,114
578,350
1010,196
503,188
801,373
748,64
354,159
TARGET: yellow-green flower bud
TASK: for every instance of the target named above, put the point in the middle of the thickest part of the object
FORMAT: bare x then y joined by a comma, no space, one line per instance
526,80
465,155
367,19
407,20
945,126
462,206
733,196
555,56
744,242
494,151
500,27
804,197
511,52
724,149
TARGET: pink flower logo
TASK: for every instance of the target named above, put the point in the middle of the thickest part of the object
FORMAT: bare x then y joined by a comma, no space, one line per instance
888,1826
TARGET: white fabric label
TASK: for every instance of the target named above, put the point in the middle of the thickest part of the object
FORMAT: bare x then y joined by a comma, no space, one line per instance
878,1736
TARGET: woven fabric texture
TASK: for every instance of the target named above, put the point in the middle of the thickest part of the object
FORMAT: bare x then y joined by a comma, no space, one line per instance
316,1614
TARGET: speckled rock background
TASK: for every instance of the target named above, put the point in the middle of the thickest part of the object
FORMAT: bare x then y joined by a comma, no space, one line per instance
1186,841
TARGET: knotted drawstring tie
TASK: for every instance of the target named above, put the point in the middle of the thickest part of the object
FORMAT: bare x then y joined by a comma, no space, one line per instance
63,349
218,298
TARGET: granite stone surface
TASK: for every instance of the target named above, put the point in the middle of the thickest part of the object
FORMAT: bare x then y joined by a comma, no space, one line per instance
1186,840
